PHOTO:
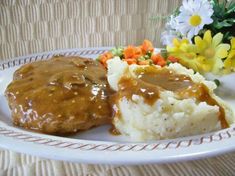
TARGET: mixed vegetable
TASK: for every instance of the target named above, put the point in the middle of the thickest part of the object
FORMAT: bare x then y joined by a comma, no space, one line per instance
140,55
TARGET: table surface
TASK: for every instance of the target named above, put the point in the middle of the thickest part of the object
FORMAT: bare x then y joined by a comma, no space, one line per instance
15,164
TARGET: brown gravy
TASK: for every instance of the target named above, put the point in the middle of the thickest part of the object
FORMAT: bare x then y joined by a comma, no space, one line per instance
114,131
59,96
152,80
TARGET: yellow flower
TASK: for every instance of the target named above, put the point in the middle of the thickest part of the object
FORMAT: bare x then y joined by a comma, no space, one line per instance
229,63
179,46
186,53
211,51
206,55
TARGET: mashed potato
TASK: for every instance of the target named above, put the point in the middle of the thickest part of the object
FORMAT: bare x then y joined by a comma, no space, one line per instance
168,116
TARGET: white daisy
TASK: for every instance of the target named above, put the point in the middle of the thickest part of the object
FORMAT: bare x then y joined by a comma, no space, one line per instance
168,36
170,33
171,23
194,14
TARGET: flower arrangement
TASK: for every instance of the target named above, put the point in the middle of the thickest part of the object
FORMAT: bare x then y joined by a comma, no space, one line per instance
200,35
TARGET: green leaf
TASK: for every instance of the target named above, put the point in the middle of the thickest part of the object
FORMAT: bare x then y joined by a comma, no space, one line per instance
224,9
176,11
226,37
223,19
231,8
231,20
220,25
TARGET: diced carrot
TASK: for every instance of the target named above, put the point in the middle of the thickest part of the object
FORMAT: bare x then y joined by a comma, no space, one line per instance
147,46
105,57
103,61
129,52
136,57
138,51
132,52
155,58
109,55
158,60
131,61
172,59
161,63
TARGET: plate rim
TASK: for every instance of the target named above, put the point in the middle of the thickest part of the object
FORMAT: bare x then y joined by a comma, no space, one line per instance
204,140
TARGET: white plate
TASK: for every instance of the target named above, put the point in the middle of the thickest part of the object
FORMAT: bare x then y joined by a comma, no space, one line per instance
97,145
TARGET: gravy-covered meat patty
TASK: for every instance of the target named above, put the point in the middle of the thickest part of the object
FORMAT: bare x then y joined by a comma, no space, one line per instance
60,96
